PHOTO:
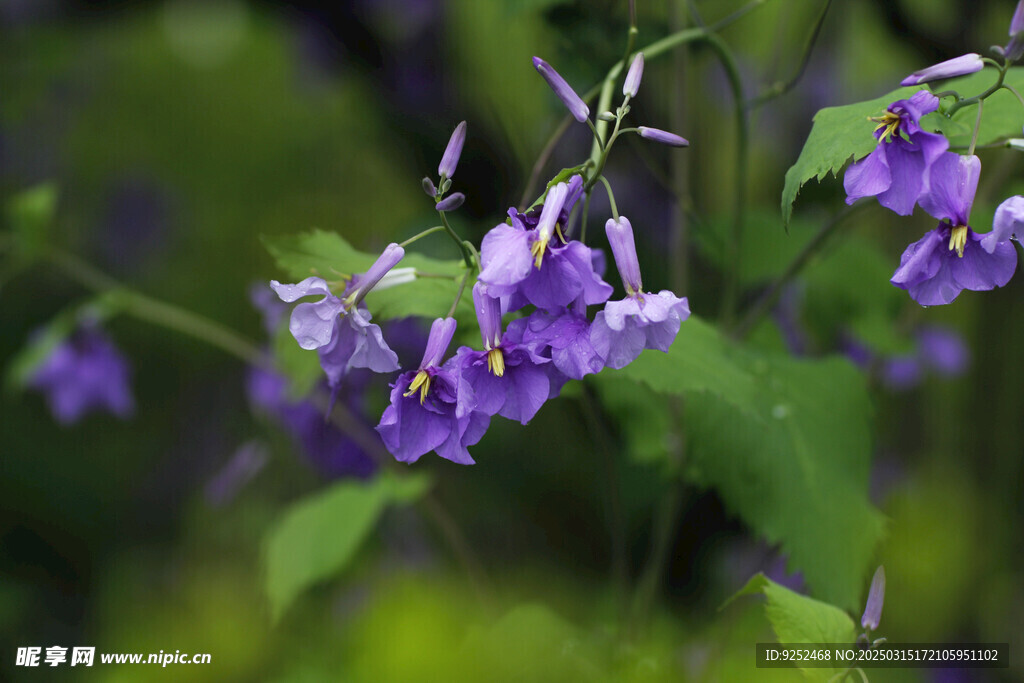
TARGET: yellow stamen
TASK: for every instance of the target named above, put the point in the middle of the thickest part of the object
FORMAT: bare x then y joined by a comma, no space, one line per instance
958,239
537,249
888,122
496,362
422,382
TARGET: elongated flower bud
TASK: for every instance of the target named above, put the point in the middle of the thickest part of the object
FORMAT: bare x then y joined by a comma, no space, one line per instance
876,597
549,214
662,136
620,238
446,169
958,66
636,72
428,187
441,332
451,202
1017,22
576,106
385,262
488,315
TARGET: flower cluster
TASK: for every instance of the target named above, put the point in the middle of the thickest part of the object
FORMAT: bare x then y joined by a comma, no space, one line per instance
912,167
530,268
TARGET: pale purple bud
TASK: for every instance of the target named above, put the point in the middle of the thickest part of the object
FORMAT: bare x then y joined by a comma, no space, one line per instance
385,262
577,107
958,66
441,332
1017,23
636,72
876,597
446,169
451,202
1008,222
428,187
662,136
549,214
488,315
620,238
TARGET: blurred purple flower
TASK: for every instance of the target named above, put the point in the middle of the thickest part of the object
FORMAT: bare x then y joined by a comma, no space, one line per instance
943,350
876,598
250,458
85,373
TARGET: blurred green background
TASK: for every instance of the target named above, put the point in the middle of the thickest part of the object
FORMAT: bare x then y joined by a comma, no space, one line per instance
179,132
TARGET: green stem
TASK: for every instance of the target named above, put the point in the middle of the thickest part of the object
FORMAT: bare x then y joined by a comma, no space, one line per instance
467,253
780,89
1007,86
161,313
661,542
611,196
428,231
957,106
458,295
977,128
768,298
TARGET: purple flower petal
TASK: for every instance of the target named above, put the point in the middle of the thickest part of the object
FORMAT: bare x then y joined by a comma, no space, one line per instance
662,136
953,181
446,169
1008,222
636,72
876,598
619,347
979,270
868,177
505,258
312,324
958,66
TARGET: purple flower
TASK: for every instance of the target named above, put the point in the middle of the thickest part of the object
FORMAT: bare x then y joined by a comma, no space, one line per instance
244,464
943,350
327,448
897,171
876,598
1015,48
339,329
577,107
641,320
636,72
508,379
950,258
564,337
958,66
536,266
85,373
433,407
1008,223
446,169
662,136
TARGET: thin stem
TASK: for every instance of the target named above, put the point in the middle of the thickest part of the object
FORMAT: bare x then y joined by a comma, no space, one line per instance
1007,86
768,298
977,127
611,196
161,313
583,221
458,295
957,106
731,294
542,159
597,136
467,255
661,542
428,231
780,89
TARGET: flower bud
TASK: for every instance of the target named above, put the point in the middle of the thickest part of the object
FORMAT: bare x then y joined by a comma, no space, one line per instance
385,262
428,187
446,169
488,316
664,137
636,72
451,202
620,238
441,332
876,597
576,106
958,66
607,116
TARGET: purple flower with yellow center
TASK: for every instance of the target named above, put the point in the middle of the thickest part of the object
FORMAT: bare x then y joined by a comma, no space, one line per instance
950,258
958,66
338,328
897,171
538,264
433,408
85,373
508,379
642,320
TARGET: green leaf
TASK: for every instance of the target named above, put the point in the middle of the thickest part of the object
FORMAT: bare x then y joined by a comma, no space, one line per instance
797,618
785,442
317,537
1002,116
328,255
838,135
300,366
31,215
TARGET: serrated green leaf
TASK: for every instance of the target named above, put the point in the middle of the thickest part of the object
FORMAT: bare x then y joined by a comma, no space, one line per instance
30,214
838,135
317,537
797,618
785,442
328,255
